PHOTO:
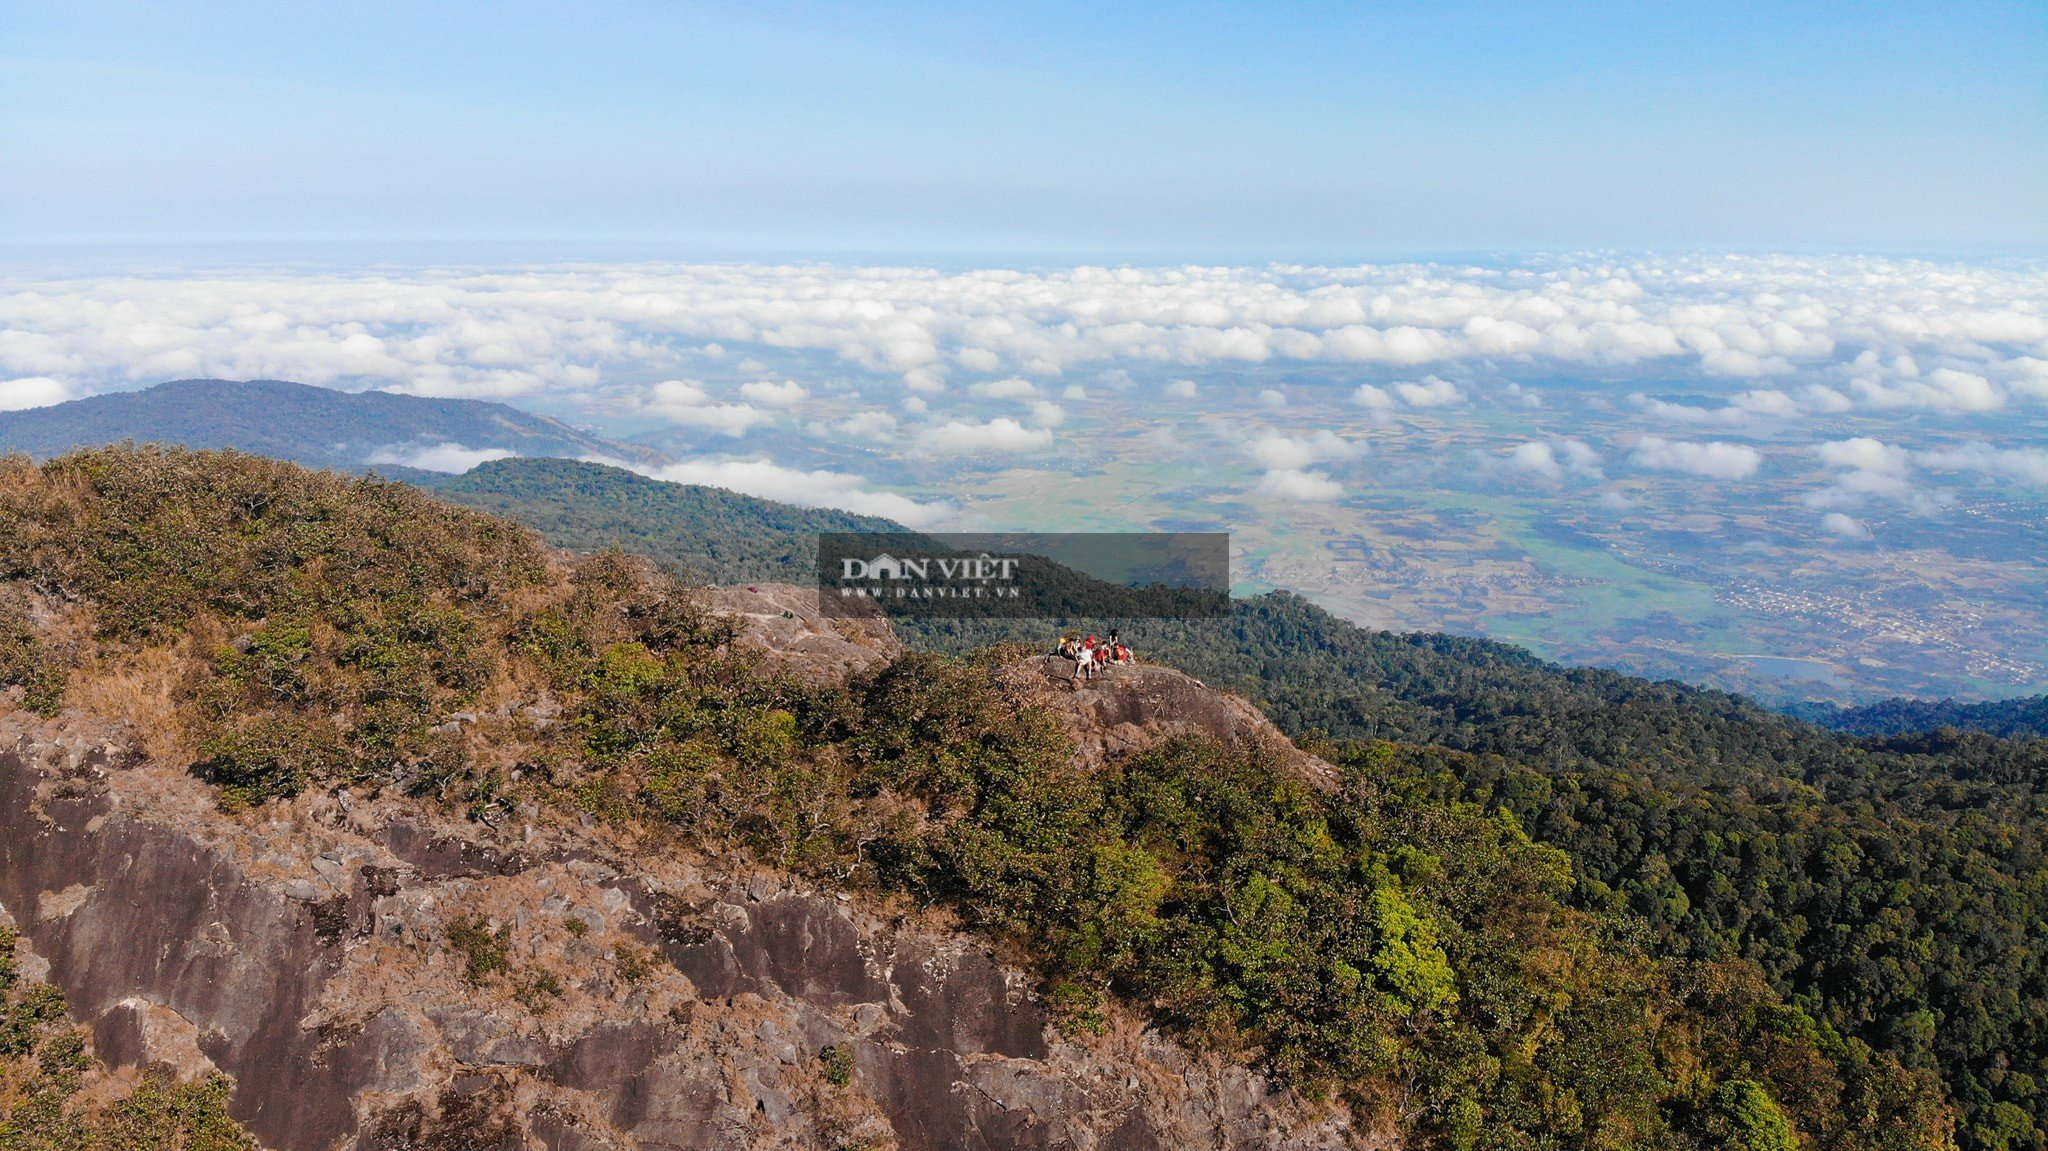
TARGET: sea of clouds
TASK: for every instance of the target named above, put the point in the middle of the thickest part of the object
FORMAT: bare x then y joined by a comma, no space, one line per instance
917,355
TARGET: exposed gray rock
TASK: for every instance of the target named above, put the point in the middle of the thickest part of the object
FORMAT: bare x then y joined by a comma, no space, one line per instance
303,949
1128,707
783,621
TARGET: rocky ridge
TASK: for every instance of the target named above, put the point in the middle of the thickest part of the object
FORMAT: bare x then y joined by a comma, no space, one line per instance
323,953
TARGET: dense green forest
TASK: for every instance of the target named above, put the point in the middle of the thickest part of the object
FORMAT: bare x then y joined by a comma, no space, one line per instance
1402,942
1894,887
2025,718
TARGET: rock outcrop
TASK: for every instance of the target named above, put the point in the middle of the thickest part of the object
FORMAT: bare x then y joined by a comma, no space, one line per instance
1130,706
322,953
783,621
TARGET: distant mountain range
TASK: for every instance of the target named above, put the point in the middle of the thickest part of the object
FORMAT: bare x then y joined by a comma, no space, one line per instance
399,435
709,533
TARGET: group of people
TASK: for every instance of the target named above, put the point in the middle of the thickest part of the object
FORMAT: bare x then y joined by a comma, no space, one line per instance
1089,653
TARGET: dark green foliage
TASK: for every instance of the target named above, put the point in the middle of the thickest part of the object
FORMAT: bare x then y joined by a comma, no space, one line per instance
1405,942
839,1065
25,662
2007,718
1745,1118
1894,887
1897,893
1363,943
485,952
44,1065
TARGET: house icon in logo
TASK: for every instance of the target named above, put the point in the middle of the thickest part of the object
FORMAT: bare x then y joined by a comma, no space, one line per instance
884,566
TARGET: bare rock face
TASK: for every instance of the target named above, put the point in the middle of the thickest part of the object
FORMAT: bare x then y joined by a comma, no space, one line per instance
783,621
379,980
1126,707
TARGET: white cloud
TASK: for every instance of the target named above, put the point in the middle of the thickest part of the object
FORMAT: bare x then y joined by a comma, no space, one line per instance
31,392
1871,332
2027,465
685,402
1765,402
1288,458
1430,392
1536,457
1714,460
1555,458
1865,454
443,457
1074,392
786,394
1273,397
1942,390
811,489
926,379
1848,527
1369,396
1296,484
1047,414
1866,468
1001,434
730,419
868,425
1181,389
1294,452
1012,388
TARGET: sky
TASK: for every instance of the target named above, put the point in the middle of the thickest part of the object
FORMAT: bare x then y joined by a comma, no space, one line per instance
1083,131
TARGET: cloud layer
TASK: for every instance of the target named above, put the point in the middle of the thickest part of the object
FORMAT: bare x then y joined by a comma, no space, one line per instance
1867,332
1712,460
443,457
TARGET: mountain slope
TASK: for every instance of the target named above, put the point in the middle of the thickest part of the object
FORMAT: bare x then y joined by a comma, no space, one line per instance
709,533
320,427
474,803
1721,828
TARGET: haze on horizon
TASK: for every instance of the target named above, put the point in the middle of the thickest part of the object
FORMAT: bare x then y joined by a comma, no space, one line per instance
1139,131
1701,342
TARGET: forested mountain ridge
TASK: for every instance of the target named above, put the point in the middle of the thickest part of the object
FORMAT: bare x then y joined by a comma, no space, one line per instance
2025,718
1721,827
319,427
1410,958
710,534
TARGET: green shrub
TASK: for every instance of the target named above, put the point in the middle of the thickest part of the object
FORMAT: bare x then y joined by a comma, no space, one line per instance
839,1064
26,663
484,952
44,1064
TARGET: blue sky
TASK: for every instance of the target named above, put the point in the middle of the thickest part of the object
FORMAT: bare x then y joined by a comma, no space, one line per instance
1196,130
